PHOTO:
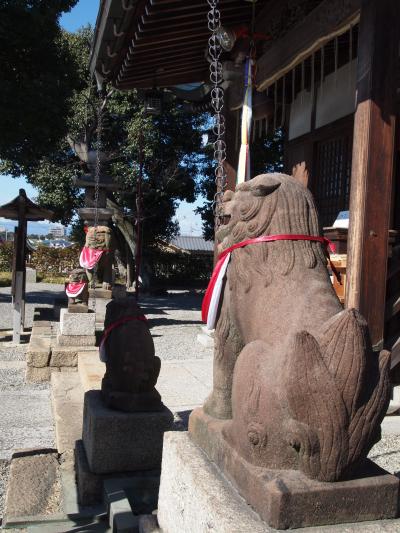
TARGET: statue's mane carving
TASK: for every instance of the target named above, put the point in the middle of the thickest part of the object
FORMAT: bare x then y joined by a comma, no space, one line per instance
270,204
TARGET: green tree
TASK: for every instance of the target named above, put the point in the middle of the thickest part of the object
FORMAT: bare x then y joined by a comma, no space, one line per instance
171,143
37,76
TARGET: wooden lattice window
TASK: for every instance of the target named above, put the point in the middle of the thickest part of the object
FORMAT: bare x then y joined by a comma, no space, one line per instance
332,177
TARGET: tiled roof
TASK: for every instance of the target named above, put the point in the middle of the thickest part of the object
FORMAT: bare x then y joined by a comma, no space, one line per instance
193,243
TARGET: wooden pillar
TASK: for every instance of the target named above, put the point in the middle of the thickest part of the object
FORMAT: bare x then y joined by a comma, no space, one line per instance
372,167
18,291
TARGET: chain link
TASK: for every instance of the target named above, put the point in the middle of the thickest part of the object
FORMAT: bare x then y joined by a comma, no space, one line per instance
217,102
97,190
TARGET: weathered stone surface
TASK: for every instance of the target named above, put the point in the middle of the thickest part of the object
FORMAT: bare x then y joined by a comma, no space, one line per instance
90,485
148,524
294,373
132,368
77,308
91,370
38,353
40,331
104,294
116,441
76,340
67,403
195,498
287,498
64,356
34,486
37,375
77,323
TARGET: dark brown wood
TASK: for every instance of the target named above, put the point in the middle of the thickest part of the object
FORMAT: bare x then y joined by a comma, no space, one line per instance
373,159
323,21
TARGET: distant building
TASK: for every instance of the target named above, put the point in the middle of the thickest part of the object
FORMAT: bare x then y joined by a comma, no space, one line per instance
193,244
57,231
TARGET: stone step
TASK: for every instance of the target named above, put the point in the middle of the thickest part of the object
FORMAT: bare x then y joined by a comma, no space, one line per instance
91,370
67,402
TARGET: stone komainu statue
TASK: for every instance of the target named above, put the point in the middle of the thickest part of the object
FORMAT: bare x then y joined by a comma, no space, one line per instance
100,239
77,288
132,369
295,376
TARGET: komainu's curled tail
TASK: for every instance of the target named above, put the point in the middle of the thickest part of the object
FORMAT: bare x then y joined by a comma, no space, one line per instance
320,406
337,392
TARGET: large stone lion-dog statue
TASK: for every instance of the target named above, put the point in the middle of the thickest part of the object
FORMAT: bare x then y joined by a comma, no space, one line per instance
295,376
101,238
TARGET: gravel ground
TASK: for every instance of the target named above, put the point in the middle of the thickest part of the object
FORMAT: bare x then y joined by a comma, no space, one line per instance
26,420
387,453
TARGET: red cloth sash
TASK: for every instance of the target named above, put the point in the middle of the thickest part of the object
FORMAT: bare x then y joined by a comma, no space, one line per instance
75,288
211,298
90,257
111,327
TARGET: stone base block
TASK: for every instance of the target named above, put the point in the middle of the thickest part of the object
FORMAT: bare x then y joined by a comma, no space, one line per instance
195,497
38,353
64,356
78,308
37,375
287,498
77,323
90,486
116,441
140,485
100,293
76,340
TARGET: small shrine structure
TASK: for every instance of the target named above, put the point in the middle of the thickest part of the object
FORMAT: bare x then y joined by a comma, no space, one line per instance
23,210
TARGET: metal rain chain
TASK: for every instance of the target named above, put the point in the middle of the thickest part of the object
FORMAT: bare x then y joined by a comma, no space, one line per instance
217,102
97,189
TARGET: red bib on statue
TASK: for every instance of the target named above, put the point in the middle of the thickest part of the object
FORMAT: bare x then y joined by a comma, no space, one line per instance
89,257
74,289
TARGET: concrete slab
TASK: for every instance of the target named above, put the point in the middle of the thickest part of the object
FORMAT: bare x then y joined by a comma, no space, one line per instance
67,403
34,487
26,420
91,370
184,384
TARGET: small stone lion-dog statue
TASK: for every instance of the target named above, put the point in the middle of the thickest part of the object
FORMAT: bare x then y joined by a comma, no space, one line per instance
295,376
77,290
132,368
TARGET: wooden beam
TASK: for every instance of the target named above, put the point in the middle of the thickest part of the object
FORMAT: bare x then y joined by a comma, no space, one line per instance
373,159
326,21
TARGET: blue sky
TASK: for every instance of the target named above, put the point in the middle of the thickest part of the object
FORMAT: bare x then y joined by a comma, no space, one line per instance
85,12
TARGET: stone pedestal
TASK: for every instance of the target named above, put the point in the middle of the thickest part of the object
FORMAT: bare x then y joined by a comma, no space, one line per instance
195,497
116,441
105,294
76,324
287,498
